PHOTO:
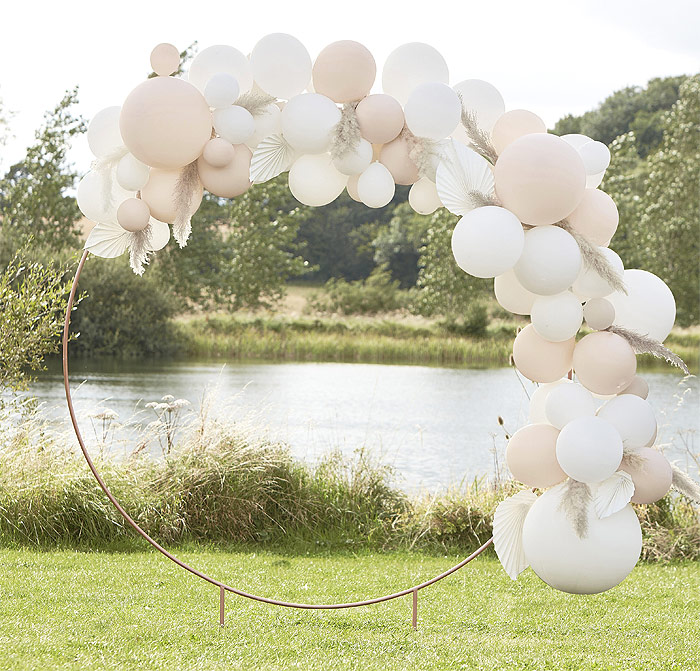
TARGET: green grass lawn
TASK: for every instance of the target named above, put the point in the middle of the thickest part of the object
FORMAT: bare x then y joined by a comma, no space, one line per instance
135,610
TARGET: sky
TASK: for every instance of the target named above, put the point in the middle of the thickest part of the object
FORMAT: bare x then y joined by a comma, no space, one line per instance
553,57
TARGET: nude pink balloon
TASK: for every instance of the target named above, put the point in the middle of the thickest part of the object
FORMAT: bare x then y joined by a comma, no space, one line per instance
514,124
532,458
230,181
604,363
351,188
652,479
165,59
165,123
540,360
395,156
540,178
380,117
218,152
159,195
133,215
596,217
344,71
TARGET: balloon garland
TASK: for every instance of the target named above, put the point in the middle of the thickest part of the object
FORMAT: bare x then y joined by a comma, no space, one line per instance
531,217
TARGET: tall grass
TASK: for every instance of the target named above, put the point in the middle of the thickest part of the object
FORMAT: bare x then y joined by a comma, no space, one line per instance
223,484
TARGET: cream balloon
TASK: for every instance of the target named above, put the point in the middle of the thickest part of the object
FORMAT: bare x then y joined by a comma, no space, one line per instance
281,65
512,295
395,156
165,123
652,478
567,402
633,417
639,387
133,215
432,110
103,134
344,71
536,407
531,457
91,199
596,217
267,122
596,157
589,284
231,180
481,99
218,59
599,313
648,307
131,173
218,152
234,123
351,188
514,124
314,180
576,140
604,362
308,121
487,241
376,187
540,178
558,317
221,90
160,234
160,194
411,65
380,118
355,160
550,261
165,59
570,563
540,360
423,196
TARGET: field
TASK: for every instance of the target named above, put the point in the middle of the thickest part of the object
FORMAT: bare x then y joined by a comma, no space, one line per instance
135,610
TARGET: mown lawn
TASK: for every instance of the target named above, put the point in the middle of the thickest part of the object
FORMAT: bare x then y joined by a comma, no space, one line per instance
135,610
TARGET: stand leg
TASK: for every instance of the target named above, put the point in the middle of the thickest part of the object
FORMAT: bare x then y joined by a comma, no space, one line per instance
414,620
222,600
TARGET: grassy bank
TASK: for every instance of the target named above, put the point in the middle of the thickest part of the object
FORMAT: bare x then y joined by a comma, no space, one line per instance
71,610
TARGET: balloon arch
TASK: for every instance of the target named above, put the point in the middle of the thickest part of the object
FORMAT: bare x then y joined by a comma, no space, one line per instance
531,217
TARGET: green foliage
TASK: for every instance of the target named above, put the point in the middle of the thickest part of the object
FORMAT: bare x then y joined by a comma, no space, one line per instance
33,300
473,321
122,314
33,201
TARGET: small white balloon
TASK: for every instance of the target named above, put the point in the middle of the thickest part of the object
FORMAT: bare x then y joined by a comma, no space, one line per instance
314,180
376,187
221,90
356,160
160,234
217,59
511,295
594,181
103,134
235,124
411,65
131,174
281,65
589,284
633,417
576,140
596,157
433,111
538,401
557,318
568,402
308,121
423,196
550,261
481,99
589,449
487,241
599,313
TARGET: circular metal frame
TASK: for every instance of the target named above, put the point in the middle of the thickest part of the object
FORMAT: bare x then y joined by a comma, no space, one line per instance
223,587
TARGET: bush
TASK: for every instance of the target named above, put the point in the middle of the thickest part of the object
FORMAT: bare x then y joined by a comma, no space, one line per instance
473,322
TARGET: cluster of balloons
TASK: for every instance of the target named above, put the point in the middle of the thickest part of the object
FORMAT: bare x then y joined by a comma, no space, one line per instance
526,199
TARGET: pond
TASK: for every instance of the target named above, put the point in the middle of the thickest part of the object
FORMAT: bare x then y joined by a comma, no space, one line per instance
435,426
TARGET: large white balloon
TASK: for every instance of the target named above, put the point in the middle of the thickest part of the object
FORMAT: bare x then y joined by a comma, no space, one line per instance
487,241
433,110
557,318
220,58
307,122
411,65
550,261
567,402
648,308
481,99
314,180
235,124
633,417
356,160
376,187
100,195
589,284
567,562
103,135
281,65
512,295
589,449
423,196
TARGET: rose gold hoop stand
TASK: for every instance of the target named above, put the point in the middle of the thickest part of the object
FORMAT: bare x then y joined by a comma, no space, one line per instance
223,587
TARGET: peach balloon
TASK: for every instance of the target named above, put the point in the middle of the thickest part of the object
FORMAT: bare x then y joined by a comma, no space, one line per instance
165,59
540,360
395,156
344,71
604,362
376,151
159,195
652,479
165,122
639,387
351,188
514,124
133,215
231,181
596,217
532,458
540,178
218,152
380,117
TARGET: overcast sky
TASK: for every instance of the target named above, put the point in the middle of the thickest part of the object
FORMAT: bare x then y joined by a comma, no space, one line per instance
553,57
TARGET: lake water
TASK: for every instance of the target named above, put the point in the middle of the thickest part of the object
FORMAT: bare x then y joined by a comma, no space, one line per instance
435,426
